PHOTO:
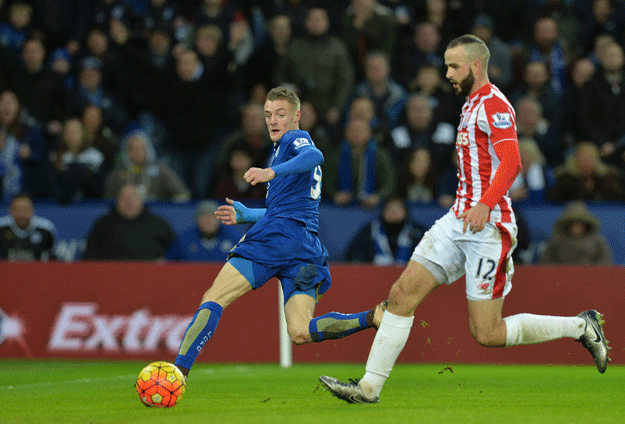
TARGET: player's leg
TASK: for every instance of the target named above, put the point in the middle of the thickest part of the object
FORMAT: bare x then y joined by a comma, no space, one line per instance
435,261
413,285
298,312
304,328
229,285
489,271
485,322
489,329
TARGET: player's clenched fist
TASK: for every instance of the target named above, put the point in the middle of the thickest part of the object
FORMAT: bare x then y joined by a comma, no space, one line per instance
259,175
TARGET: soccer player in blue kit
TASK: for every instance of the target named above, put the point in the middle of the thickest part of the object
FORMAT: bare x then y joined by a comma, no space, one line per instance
282,243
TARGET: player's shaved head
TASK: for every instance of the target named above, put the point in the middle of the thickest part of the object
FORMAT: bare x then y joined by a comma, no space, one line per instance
474,48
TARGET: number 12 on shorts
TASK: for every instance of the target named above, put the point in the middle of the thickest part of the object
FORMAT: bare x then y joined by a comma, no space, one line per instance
485,269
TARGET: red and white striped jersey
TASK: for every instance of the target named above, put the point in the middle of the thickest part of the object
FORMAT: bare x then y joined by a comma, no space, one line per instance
487,119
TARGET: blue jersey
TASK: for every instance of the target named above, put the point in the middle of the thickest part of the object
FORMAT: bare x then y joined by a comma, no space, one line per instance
294,196
288,230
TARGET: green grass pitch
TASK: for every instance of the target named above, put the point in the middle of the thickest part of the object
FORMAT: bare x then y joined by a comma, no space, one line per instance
103,392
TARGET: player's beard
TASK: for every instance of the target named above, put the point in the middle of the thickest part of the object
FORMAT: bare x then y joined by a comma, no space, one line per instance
465,86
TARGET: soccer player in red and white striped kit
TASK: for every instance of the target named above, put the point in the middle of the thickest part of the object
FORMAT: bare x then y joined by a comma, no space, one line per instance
475,238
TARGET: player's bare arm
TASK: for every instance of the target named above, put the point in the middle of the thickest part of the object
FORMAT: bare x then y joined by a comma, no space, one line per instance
259,175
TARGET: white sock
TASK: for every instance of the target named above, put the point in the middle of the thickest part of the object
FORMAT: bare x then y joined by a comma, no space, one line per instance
387,345
524,329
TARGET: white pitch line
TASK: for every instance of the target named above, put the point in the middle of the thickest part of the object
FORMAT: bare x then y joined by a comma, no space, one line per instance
61,382
236,368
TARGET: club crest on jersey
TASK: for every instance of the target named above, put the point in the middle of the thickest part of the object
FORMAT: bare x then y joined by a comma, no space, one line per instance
465,120
502,120
299,142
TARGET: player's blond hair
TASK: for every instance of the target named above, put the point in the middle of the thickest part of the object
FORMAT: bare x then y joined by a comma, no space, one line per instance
284,93
474,47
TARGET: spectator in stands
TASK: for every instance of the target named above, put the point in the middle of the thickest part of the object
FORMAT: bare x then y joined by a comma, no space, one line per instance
535,179
260,70
10,167
106,11
206,241
388,96
500,63
89,91
417,178
154,179
61,63
151,59
319,64
359,170
368,26
19,20
445,18
582,71
602,105
568,19
585,177
119,77
532,124
188,100
512,24
600,45
230,181
64,22
405,17
576,240
388,239
536,84
214,54
98,135
363,108
40,90
309,121
76,167
421,130
252,132
166,14
129,231
33,148
217,12
296,11
25,236
604,17
240,44
424,47
547,47
443,102
221,64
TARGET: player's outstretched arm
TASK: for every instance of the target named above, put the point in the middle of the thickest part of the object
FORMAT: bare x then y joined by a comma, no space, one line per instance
236,213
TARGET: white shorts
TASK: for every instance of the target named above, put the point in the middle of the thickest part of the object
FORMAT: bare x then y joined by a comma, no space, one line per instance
484,257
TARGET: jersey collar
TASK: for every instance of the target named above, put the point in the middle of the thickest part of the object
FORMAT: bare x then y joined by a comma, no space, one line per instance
482,90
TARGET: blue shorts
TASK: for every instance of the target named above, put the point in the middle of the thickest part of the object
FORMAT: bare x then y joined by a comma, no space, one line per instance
285,249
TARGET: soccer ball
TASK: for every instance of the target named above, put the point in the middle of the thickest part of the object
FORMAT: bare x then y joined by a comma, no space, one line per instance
160,384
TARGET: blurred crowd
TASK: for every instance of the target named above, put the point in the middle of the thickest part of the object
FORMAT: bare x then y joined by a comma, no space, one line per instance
168,95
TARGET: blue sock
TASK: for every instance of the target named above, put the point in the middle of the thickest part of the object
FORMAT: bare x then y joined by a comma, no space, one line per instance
199,331
336,325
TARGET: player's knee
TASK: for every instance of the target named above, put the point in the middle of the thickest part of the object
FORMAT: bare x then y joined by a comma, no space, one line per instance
300,336
486,337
